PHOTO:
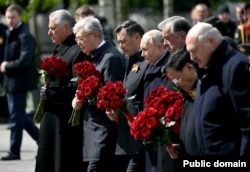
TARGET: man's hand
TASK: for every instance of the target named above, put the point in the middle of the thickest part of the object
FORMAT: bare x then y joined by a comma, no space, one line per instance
173,151
2,67
46,93
76,104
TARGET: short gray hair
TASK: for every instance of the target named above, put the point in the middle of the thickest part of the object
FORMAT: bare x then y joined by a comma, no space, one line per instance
154,37
177,23
62,17
89,24
203,31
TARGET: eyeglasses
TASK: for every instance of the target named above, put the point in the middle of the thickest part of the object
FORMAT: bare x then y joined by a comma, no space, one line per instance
82,38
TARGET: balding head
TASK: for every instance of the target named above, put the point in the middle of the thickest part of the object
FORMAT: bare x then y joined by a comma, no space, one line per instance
152,46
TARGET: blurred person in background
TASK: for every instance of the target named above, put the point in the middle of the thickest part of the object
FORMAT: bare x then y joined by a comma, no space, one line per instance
242,33
85,10
239,12
199,12
223,13
19,76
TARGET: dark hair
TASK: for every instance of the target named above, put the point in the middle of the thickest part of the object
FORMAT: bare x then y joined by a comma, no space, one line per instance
218,23
131,28
247,6
223,9
181,25
178,60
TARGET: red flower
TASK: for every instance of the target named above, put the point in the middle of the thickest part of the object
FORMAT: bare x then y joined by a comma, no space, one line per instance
85,69
247,30
54,68
160,117
51,68
111,97
88,82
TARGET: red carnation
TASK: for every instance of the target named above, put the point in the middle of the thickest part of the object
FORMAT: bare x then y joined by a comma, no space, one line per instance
51,68
88,82
160,117
111,98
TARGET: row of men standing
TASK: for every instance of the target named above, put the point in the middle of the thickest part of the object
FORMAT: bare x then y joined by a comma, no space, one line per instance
98,142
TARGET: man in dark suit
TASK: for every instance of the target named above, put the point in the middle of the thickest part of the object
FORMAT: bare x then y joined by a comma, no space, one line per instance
174,30
19,77
59,143
222,104
156,54
99,132
130,154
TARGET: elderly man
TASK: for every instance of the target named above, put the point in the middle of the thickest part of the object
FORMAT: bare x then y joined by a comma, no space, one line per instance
99,132
156,54
174,30
222,105
59,147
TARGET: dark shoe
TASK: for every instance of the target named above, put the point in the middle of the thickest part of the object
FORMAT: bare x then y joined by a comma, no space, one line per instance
10,157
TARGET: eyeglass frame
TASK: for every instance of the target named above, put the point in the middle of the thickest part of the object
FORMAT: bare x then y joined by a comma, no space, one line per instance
83,37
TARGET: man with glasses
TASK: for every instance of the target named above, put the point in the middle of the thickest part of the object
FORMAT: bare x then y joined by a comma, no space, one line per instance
99,132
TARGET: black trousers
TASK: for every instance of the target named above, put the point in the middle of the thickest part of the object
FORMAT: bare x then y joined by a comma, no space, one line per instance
130,163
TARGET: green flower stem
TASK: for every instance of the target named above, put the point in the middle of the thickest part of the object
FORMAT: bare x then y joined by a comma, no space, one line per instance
75,117
39,112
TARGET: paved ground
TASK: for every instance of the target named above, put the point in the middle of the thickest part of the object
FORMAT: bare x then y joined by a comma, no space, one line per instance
28,152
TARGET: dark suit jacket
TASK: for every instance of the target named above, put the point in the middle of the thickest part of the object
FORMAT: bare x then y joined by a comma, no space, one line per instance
100,132
3,36
134,83
153,79
60,144
222,105
154,76
164,161
21,73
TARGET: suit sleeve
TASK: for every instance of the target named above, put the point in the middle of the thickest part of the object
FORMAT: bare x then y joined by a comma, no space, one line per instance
240,94
26,55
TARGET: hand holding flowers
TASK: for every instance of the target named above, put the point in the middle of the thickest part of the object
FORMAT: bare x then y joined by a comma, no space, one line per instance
111,98
88,82
51,68
159,119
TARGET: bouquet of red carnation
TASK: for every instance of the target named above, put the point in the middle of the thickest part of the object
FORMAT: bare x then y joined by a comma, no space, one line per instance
111,97
89,80
85,69
160,117
51,68
247,30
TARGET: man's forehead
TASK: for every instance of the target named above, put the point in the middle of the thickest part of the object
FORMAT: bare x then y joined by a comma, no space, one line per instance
191,43
167,29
